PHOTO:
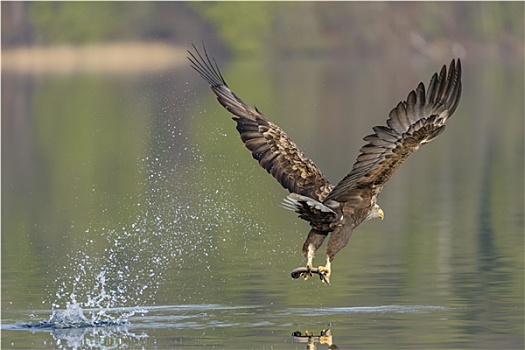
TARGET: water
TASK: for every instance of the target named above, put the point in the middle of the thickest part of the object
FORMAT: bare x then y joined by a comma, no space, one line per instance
134,218
235,326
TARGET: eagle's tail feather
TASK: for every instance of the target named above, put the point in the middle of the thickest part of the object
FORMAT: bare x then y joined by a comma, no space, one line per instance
299,203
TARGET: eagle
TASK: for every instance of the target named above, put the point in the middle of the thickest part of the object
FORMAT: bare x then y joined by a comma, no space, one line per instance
335,211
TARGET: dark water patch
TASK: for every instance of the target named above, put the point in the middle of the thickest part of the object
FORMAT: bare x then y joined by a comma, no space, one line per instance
45,325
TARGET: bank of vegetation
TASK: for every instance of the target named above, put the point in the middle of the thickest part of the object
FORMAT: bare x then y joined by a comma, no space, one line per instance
255,28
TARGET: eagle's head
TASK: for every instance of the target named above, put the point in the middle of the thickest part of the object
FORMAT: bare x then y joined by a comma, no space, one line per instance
375,212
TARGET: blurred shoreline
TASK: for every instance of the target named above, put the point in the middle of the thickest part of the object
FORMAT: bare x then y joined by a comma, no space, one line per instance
124,57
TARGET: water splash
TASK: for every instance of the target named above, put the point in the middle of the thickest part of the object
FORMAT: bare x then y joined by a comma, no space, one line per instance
122,265
70,329
73,317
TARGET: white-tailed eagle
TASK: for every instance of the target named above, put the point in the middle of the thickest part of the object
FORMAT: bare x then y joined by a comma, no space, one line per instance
335,211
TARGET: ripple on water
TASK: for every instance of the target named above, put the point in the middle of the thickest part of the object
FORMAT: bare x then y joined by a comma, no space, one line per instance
410,309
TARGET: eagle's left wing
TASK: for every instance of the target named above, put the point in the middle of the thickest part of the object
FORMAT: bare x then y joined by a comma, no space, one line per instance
411,124
269,144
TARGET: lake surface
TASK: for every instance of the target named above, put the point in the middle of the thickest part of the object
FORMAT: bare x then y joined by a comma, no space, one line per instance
132,216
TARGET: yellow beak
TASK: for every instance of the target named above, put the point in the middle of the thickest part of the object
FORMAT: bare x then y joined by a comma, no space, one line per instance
381,213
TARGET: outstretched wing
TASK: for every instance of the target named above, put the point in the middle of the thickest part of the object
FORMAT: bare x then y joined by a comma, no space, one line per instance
270,145
411,124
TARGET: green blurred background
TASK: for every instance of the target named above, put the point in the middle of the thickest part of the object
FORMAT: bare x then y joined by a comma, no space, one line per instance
273,28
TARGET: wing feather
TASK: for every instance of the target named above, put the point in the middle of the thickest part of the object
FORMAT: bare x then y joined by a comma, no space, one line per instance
410,124
385,133
269,144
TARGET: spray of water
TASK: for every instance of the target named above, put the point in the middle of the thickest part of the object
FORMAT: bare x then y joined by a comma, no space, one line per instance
125,267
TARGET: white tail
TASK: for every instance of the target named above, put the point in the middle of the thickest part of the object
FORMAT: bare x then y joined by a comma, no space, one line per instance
296,202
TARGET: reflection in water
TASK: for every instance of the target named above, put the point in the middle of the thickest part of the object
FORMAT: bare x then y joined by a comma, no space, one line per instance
113,337
324,338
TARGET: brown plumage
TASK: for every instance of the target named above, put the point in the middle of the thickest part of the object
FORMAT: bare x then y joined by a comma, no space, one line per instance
337,210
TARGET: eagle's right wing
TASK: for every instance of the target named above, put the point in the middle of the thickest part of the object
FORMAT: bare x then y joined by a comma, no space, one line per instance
269,144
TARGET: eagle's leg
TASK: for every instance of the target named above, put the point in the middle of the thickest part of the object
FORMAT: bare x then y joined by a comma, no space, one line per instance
325,271
313,242
310,255
338,240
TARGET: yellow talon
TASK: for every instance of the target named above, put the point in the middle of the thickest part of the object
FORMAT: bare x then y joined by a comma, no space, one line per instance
324,273
325,270
308,274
